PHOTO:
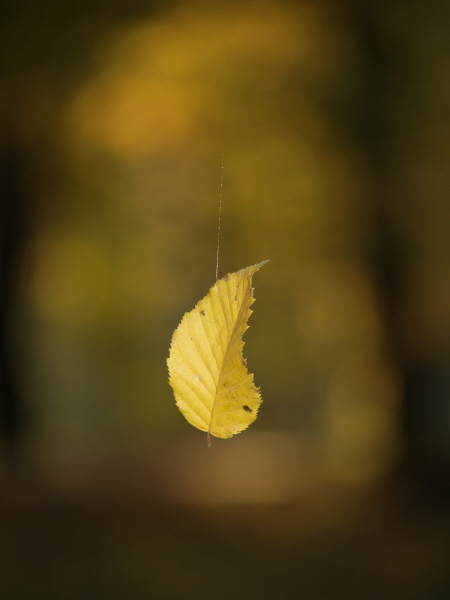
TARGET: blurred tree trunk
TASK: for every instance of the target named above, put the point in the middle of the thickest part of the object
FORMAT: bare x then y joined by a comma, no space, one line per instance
406,59
14,223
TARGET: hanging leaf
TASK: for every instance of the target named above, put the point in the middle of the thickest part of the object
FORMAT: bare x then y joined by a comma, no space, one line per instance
207,371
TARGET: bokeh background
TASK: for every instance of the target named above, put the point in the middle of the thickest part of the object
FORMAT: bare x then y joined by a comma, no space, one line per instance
328,125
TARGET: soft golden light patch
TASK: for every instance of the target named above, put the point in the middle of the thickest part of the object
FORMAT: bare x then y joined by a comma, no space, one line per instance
163,82
263,467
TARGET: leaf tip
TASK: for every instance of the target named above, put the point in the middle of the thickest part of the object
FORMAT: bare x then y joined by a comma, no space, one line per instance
261,264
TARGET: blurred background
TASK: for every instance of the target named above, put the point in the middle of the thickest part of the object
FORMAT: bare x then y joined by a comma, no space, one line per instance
331,121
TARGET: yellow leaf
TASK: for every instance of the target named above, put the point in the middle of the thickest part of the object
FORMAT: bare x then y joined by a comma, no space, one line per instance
207,371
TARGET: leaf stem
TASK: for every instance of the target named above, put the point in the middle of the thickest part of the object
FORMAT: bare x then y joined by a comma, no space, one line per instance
220,214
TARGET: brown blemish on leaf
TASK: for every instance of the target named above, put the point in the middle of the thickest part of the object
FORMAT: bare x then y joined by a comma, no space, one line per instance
202,312
247,408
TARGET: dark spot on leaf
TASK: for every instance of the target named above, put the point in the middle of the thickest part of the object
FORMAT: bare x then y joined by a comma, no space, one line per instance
202,312
235,298
247,408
